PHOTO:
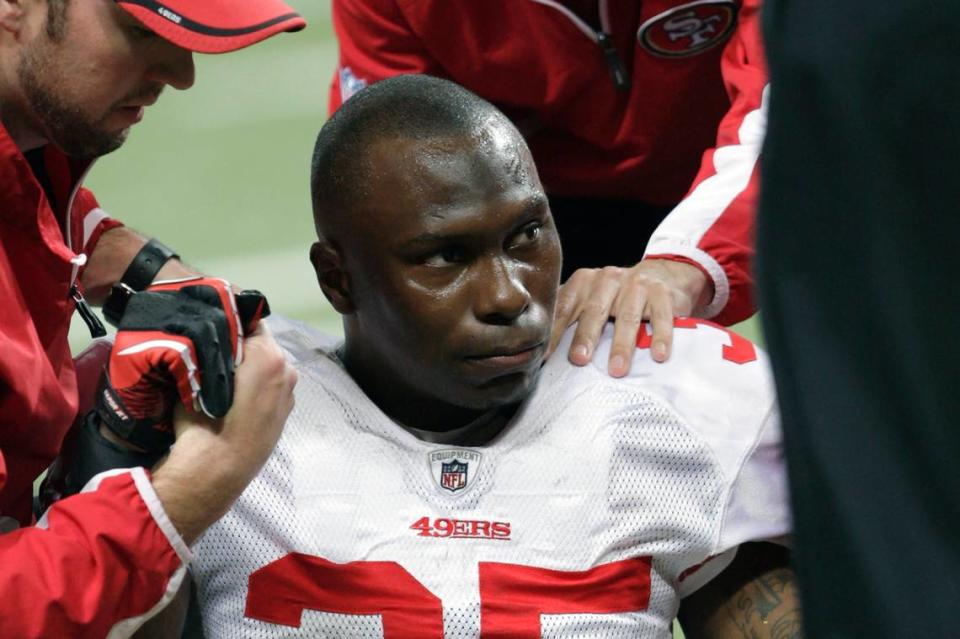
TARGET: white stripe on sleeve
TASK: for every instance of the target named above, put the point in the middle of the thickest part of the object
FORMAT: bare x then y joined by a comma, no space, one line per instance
681,231
90,223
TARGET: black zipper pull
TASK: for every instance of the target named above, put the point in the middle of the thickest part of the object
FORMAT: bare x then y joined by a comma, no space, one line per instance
618,73
86,313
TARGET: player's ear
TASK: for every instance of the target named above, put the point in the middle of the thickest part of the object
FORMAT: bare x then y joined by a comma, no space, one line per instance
12,16
333,279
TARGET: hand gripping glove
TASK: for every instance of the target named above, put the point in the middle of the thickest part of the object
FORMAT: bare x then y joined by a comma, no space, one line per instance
177,339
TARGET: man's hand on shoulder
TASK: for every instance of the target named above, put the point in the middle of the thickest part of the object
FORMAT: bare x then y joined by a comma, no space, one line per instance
654,289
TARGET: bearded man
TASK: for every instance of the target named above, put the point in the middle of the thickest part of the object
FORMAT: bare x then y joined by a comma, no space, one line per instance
75,76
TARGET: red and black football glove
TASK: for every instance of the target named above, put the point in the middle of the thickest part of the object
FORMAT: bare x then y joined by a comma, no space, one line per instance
179,339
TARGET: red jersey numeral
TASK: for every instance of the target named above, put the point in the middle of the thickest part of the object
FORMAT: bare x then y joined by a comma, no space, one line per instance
512,597
740,350
282,590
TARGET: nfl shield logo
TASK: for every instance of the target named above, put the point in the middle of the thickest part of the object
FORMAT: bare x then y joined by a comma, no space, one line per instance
454,469
453,475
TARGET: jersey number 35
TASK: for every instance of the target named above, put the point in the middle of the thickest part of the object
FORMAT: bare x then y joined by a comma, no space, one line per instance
512,597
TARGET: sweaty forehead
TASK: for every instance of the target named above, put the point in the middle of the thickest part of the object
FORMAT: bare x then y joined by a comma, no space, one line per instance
447,170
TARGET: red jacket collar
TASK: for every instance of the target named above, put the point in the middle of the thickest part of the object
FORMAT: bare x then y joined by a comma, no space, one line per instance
23,195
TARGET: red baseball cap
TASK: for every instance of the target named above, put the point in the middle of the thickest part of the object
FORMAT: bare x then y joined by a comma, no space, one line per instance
214,26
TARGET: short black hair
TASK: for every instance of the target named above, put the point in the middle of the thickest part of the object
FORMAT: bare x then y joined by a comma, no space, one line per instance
419,107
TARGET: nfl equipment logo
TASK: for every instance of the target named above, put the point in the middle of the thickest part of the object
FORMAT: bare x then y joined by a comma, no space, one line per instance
453,475
454,468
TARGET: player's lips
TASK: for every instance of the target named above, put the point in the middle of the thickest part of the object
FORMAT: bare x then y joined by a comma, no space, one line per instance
134,111
507,359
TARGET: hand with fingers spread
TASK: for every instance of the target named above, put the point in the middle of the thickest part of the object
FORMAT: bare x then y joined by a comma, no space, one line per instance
655,289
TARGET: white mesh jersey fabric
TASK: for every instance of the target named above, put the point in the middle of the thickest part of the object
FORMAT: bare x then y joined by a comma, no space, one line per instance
613,491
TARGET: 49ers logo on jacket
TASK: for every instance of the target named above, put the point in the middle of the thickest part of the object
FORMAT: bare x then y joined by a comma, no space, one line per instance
688,29
454,468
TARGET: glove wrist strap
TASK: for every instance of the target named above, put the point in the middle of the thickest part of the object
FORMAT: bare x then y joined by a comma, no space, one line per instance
149,434
94,454
142,271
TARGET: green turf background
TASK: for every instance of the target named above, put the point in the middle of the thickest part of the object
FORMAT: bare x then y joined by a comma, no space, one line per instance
220,172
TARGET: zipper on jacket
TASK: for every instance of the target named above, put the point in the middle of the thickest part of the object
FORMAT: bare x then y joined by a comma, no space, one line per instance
68,228
618,72
86,313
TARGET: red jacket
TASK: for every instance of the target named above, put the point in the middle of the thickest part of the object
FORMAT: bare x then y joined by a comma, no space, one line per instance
105,556
696,74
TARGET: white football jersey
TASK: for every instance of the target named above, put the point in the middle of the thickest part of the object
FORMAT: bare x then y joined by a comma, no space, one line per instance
592,514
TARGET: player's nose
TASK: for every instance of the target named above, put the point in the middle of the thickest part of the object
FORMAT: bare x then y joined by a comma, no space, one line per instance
500,296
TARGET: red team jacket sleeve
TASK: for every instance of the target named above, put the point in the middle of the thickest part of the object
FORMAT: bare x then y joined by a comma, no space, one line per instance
375,43
97,565
89,222
713,226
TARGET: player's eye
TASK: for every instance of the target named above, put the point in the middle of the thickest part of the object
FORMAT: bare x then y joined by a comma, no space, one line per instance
445,257
527,236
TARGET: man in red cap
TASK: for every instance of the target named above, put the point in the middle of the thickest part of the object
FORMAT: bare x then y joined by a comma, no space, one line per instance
74,77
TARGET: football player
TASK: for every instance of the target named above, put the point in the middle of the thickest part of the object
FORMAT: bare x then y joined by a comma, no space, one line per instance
437,479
